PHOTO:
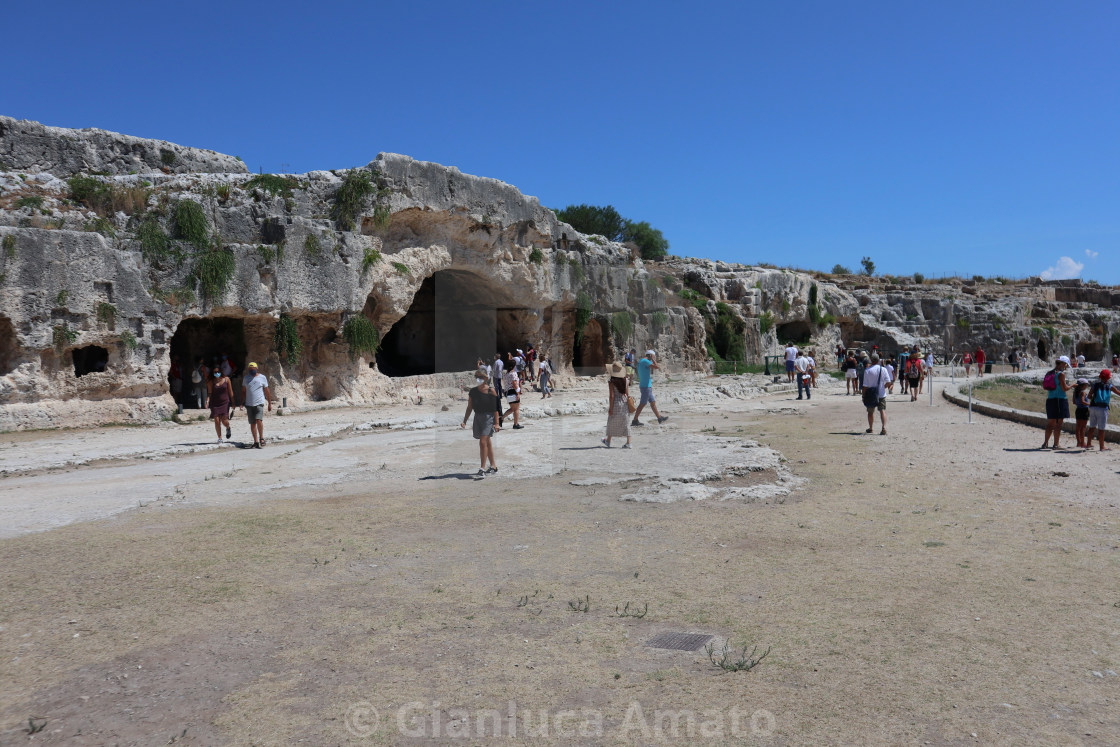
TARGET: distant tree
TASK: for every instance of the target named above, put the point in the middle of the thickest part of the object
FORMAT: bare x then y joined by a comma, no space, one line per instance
650,241
868,266
919,278
1114,342
840,270
593,219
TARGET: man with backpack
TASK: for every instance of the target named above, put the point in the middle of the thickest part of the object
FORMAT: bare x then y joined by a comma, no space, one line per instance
1100,398
875,380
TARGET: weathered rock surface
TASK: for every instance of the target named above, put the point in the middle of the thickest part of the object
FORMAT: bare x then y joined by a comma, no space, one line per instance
34,148
98,294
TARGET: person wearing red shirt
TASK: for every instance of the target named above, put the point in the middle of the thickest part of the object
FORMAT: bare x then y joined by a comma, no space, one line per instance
979,361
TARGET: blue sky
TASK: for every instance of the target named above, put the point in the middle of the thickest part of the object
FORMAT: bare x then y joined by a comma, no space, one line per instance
943,138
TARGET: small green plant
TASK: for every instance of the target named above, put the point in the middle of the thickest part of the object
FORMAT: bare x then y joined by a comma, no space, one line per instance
350,199
60,299
93,193
659,319
627,612
536,256
267,252
274,184
839,269
166,156
100,225
286,340
919,278
179,297
107,314
622,322
30,201
729,661
155,244
9,244
1066,339
215,269
191,224
694,298
402,268
785,306
765,322
580,605
868,266
370,257
128,340
223,192
361,336
312,245
813,294
583,314
963,323
63,336
382,215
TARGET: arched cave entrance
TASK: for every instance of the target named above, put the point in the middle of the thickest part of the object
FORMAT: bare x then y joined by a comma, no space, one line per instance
1043,353
9,349
591,355
210,338
90,359
797,332
456,317
1093,350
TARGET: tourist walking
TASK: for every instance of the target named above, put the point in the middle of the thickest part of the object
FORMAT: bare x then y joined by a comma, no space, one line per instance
199,384
875,380
849,366
791,356
812,356
483,402
1013,359
511,385
221,403
497,379
967,361
861,366
646,366
913,373
804,375
1099,401
618,408
981,359
1057,401
630,360
545,376
255,395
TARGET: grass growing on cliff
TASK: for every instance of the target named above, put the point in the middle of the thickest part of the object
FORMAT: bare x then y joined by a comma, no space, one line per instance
128,340
312,245
62,336
100,225
402,268
274,184
536,256
155,244
622,322
660,319
286,340
765,322
215,270
350,199
9,244
178,297
361,336
370,257
107,314
583,314
105,198
191,224
30,201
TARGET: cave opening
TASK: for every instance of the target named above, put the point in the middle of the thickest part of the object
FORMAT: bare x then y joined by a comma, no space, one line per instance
1093,350
795,332
456,317
90,359
207,339
9,348
1043,353
593,351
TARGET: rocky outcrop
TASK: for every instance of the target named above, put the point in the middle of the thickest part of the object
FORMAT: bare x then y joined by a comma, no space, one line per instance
384,282
33,148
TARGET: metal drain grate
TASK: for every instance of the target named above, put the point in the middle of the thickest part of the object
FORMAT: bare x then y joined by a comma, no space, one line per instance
679,641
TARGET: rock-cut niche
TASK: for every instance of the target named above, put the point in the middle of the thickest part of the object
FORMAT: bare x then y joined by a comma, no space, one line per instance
456,317
9,349
210,338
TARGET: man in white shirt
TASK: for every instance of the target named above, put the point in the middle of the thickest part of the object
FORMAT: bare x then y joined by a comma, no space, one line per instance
875,380
791,355
804,375
255,395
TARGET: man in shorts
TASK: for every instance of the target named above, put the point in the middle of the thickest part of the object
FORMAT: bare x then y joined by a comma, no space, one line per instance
646,366
791,356
255,395
875,380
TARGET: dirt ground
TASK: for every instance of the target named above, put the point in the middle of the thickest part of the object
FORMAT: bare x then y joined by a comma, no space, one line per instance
943,584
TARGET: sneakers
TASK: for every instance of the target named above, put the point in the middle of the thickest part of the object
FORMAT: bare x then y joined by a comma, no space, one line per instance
635,422
626,446
518,427
481,472
228,433
221,442
662,419
605,442
492,471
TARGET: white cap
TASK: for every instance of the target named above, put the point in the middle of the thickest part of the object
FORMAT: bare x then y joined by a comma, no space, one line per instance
650,352
1064,359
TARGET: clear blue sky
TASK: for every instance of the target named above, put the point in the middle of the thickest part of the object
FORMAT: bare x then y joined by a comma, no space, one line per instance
972,138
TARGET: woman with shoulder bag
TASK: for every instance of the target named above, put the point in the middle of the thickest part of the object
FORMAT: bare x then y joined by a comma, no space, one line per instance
511,385
618,405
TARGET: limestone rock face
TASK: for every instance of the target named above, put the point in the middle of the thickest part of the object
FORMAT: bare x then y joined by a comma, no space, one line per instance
34,148
99,294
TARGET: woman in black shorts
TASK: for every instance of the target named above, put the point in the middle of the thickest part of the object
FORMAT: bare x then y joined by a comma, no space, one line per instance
484,403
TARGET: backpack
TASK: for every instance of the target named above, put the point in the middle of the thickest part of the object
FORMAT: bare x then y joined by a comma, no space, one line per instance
1050,380
1100,394
196,376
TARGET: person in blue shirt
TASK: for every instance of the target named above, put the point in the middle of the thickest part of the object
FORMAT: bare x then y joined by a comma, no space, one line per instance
646,366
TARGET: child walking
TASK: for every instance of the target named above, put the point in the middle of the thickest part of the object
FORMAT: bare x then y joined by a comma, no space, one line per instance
1081,413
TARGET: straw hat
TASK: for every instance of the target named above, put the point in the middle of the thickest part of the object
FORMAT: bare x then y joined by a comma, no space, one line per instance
616,369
